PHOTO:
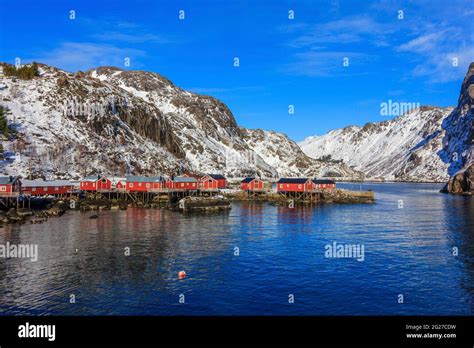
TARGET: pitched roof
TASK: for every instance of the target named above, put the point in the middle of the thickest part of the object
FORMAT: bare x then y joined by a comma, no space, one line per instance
191,175
116,179
92,178
323,181
144,179
46,183
8,179
207,177
217,176
292,180
247,180
184,179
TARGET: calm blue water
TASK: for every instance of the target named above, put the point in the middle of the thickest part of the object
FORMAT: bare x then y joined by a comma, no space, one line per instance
282,251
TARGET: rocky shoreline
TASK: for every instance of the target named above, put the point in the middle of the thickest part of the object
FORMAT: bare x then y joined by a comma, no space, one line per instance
338,196
222,202
461,183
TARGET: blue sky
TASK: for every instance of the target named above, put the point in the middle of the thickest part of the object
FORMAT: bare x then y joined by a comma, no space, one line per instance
282,61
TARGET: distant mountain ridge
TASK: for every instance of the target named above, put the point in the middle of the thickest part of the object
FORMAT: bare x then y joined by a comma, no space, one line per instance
135,122
427,144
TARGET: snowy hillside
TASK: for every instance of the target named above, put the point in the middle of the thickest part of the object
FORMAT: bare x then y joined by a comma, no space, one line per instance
114,121
425,144
404,148
286,156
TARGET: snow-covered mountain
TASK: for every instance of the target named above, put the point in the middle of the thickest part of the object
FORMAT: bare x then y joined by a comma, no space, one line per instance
115,121
289,160
425,144
404,148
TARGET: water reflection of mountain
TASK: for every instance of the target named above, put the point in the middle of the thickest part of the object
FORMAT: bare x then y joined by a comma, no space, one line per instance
160,245
281,250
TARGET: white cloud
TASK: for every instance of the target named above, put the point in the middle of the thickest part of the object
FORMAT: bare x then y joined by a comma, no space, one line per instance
439,67
72,56
344,31
436,49
421,44
326,64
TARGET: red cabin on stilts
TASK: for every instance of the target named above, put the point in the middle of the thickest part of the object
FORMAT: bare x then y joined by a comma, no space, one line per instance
184,183
47,187
221,180
324,184
96,183
10,185
208,183
144,184
295,185
251,184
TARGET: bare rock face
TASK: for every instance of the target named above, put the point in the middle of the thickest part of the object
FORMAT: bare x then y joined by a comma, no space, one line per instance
460,139
462,182
458,143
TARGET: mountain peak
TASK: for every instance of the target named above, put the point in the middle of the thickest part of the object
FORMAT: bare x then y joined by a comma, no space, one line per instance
122,122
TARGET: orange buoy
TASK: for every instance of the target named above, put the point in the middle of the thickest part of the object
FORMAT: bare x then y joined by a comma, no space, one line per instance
181,274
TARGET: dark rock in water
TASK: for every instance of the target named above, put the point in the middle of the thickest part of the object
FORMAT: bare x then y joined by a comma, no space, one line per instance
93,216
55,211
203,204
462,182
346,196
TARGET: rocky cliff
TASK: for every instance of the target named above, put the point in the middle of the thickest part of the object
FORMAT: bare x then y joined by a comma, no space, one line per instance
458,144
462,182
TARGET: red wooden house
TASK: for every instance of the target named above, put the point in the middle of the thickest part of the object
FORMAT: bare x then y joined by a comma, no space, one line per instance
96,183
167,183
10,185
251,184
324,184
118,183
295,185
208,183
184,183
46,187
210,178
144,184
